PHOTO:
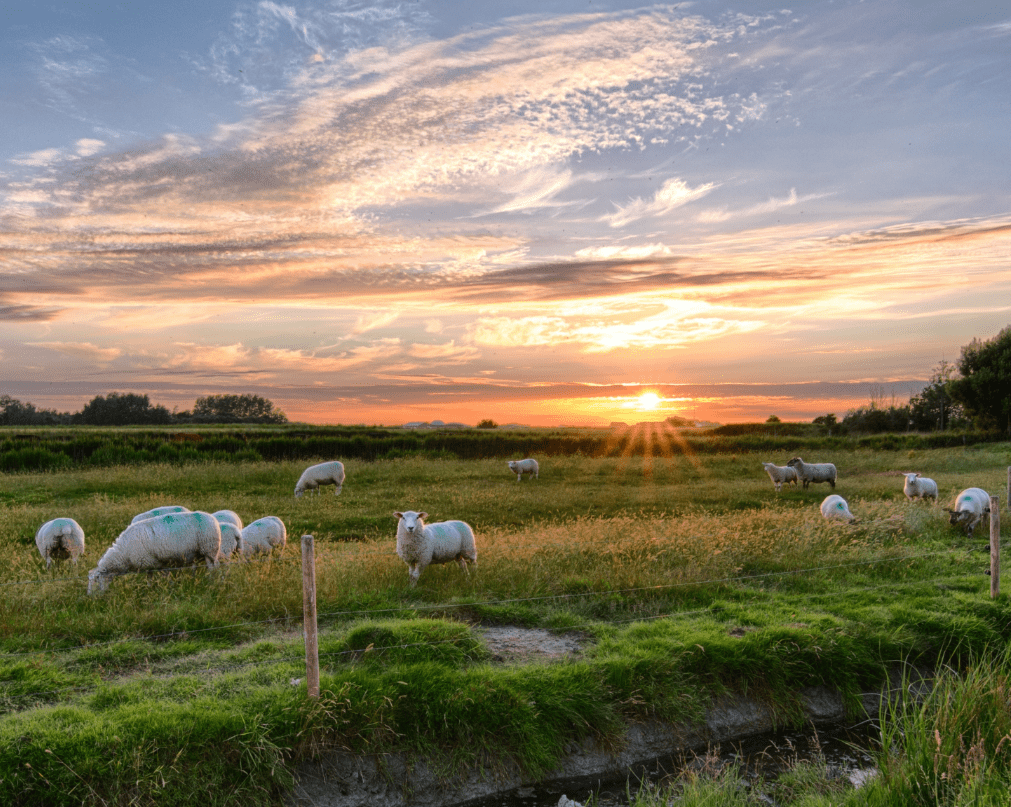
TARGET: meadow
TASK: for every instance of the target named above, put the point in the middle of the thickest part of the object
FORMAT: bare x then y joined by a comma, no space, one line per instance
685,576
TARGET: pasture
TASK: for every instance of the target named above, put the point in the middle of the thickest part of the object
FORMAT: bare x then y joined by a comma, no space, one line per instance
683,575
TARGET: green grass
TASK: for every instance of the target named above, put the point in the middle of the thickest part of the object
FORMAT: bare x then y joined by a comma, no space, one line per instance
688,576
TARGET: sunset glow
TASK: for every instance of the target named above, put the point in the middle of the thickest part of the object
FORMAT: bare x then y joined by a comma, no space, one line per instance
575,216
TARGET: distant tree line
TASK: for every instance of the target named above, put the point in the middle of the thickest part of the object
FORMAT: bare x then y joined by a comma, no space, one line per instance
132,409
975,392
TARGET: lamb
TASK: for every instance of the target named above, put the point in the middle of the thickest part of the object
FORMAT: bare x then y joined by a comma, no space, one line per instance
159,511
168,540
835,506
420,545
262,536
808,472
970,506
326,473
919,487
527,466
780,474
60,538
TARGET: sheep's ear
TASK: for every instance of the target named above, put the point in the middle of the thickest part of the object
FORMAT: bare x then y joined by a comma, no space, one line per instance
422,515
398,515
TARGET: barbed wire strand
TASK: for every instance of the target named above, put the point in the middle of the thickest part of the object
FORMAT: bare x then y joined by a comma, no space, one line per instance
568,629
480,603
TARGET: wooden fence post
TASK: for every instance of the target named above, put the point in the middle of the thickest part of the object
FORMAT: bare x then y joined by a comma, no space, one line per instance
994,546
309,616
1008,499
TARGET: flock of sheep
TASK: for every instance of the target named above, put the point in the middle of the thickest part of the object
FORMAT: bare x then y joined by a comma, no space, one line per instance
164,536
971,505
173,534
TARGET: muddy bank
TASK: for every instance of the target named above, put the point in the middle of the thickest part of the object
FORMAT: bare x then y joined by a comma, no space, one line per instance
394,780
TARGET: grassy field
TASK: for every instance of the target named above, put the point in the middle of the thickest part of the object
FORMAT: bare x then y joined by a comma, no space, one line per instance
687,575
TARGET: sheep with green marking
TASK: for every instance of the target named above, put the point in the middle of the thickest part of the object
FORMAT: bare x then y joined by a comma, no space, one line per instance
419,545
175,539
60,539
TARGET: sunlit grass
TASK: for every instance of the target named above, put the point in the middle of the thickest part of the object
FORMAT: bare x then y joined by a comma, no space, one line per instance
684,576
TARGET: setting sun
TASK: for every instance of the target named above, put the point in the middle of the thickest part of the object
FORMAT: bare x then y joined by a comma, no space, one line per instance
649,400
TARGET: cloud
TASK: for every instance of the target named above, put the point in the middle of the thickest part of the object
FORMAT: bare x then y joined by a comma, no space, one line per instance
82,350
673,194
762,208
670,328
449,352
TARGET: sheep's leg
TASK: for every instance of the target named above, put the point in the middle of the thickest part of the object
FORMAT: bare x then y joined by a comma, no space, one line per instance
415,573
463,564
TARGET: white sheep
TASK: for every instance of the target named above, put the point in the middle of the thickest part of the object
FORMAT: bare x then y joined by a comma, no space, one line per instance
919,487
231,539
231,531
228,517
169,540
159,511
262,536
420,545
780,474
970,506
808,472
527,466
326,473
60,538
835,506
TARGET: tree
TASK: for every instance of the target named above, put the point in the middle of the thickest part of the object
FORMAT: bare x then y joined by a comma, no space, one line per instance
773,419
487,424
984,390
933,409
826,422
232,408
122,409
15,413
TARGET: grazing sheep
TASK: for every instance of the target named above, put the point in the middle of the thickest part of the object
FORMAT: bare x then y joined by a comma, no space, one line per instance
780,474
835,506
159,511
326,473
528,466
970,506
262,536
169,540
60,538
808,472
231,539
919,487
420,545
231,531
228,517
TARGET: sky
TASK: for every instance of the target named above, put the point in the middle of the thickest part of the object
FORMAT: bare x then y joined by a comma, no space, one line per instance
550,213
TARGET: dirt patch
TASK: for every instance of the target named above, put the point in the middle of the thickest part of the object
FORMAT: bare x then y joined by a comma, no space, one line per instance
510,644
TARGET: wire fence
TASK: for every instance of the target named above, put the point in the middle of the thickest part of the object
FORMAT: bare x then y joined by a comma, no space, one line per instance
334,657
468,603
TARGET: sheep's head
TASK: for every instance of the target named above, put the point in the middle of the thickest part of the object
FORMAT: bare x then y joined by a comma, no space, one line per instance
793,463
512,466
958,516
411,522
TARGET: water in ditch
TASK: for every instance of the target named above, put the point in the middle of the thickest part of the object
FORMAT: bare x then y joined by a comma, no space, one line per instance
763,757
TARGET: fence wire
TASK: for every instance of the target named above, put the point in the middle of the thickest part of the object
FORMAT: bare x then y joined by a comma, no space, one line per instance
369,650
475,604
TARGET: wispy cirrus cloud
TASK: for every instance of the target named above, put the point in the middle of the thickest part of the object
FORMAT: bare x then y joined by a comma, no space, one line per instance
673,194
